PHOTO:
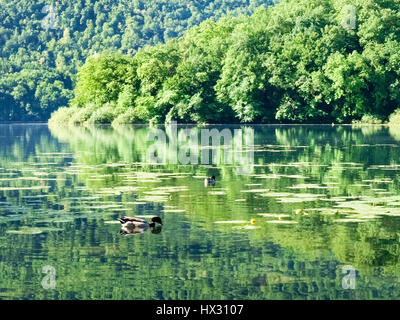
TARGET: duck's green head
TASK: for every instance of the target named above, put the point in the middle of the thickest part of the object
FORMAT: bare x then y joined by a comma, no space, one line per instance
156,220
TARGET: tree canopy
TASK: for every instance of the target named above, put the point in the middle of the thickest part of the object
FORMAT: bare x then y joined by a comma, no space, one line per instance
306,61
43,43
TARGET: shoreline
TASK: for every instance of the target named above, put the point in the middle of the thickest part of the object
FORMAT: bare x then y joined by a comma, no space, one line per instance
207,124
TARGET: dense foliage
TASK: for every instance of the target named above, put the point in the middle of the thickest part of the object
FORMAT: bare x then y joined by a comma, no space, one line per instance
298,61
42,48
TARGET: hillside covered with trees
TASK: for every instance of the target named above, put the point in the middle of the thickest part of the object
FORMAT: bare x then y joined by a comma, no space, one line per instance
298,61
43,43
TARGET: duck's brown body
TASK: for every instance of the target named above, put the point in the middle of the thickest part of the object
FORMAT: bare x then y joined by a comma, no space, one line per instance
135,225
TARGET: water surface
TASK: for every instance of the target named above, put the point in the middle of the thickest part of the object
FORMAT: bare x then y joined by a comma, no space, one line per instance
322,198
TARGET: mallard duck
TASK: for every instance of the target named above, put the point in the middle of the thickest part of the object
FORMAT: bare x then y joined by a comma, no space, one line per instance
209,181
136,225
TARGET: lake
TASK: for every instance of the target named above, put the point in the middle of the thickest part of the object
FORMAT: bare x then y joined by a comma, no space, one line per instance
325,202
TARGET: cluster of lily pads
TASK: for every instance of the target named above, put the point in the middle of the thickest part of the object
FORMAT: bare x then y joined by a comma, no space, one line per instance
120,187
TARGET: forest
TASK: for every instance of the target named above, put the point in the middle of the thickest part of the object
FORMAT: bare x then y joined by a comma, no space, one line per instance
303,61
44,43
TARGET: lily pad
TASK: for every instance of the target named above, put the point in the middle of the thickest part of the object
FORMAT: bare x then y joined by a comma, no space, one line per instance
25,231
29,230
217,193
232,221
273,215
349,220
246,227
282,221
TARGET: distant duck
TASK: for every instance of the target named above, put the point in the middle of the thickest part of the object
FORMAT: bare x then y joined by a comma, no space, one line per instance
209,181
135,225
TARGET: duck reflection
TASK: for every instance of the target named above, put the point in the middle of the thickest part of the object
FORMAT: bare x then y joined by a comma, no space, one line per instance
130,225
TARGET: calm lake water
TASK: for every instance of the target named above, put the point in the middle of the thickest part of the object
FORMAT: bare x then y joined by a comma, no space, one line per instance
326,204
